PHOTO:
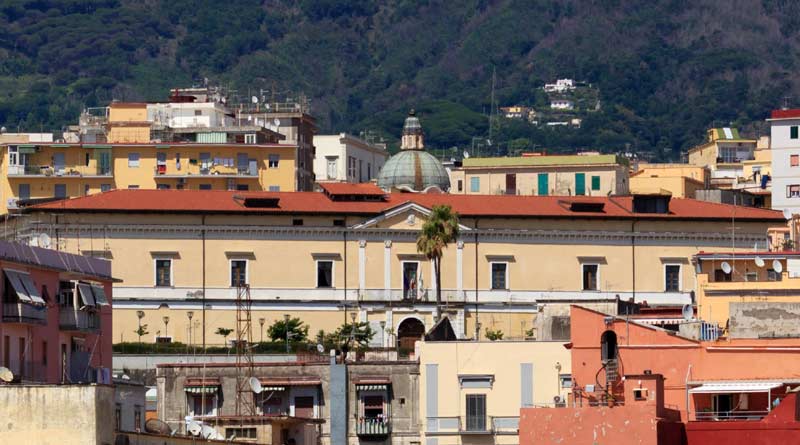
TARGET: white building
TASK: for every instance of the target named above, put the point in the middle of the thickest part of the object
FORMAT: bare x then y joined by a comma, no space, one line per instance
785,140
189,114
346,158
561,86
562,104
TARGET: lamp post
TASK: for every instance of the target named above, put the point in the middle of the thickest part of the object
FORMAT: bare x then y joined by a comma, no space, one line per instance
166,325
558,378
286,328
383,332
189,315
140,315
261,321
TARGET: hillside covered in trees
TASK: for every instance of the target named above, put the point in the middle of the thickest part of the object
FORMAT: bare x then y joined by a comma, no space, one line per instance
665,70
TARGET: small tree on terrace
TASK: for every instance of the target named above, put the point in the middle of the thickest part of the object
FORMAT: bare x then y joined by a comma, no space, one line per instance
298,331
439,230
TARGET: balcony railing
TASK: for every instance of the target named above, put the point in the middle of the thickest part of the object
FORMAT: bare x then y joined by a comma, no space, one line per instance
76,171
189,171
459,425
76,320
729,415
24,313
373,427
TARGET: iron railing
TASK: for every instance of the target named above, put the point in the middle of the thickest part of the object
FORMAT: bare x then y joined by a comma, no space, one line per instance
24,313
373,427
70,319
729,415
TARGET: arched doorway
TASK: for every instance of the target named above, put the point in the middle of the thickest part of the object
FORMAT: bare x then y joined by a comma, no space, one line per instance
409,331
608,346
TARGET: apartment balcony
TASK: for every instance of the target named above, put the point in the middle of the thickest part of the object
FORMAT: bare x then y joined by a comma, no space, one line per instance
70,319
24,313
373,428
465,425
46,171
193,171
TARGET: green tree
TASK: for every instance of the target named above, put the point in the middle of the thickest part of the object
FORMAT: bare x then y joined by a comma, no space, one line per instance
141,332
439,230
359,333
494,335
225,332
298,331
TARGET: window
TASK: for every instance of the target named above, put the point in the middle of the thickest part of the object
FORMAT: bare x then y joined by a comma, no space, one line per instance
332,167
162,186
274,188
325,273
595,183
580,184
460,185
137,417
132,187
751,276
351,167
499,276
60,191
475,184
198,112
24,191
202,405
373,406
476,412
566,380
297,222
86,160
163,272
794,160
338,223
205,163
273,160
720,275
793,191
360,170
105,187
86,189
133,160
793,133
242,187
240,433
205,186
589,276
772,275
118,417
161,159
672,278
250,138
369,171
238,272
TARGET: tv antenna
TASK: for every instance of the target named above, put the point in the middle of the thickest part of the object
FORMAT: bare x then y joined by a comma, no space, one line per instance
245,403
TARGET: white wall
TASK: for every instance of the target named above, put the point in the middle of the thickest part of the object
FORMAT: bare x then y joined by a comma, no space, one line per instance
783,174
343,146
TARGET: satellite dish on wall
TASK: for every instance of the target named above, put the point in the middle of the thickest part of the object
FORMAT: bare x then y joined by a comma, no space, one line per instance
320,348
255,385
759,261
44,240
777,266
6,375
277,122
688,312
194,428
254,99
726,267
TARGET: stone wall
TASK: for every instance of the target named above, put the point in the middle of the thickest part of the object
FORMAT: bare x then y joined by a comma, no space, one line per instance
57,415
763,319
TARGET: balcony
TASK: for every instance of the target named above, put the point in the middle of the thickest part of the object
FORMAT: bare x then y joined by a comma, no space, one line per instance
195,171
467,425
373,428
38,171
70,319
24,313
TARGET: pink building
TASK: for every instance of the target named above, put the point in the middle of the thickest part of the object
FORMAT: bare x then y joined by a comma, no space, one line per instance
55,317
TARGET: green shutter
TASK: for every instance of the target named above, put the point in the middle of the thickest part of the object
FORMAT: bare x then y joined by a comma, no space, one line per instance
543,185
580,183
793,132
595,183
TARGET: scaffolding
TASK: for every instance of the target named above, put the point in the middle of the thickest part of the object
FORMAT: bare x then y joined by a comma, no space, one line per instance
245,401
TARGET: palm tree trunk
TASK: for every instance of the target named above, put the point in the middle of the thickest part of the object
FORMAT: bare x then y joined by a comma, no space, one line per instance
437,269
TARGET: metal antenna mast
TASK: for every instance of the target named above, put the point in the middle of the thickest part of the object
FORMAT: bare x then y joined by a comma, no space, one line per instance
245,399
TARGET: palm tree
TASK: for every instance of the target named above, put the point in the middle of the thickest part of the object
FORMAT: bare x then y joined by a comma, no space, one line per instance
439,230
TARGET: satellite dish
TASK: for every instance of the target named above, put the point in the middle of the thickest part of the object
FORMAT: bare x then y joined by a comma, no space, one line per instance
255,385
466,154
787,214
44,240
6,375
320,348
194,428
777,266
726,267
254,99
687,312
207,432
759,261
277,122
157,426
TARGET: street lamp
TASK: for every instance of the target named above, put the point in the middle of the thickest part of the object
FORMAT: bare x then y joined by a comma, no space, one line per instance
166,325
140,315
383,331
286,328
261,321
189,315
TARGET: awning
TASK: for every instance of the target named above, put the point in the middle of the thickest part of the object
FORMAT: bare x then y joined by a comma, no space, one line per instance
99,295
24,287
273,388
268,382
734,387
371,387
26,149
86,294
655,321
201,389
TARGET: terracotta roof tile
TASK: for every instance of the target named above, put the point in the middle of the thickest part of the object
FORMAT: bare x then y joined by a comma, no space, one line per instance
786,114
219,201
344,188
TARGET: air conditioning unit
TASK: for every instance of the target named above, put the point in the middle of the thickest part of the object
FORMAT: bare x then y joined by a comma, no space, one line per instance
11,204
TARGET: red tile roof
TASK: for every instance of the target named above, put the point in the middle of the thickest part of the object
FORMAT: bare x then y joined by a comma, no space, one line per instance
344,188
219,201
786,114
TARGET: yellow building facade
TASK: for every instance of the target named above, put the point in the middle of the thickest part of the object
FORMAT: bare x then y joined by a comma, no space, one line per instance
517,266
471,392
678,180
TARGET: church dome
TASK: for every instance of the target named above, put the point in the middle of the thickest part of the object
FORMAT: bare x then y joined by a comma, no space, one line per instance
413,169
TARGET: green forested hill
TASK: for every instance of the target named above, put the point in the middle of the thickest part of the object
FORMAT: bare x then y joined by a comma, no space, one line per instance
665,69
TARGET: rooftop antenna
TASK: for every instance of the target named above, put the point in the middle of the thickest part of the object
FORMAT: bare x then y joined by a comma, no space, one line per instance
786,102
245,403
491,105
